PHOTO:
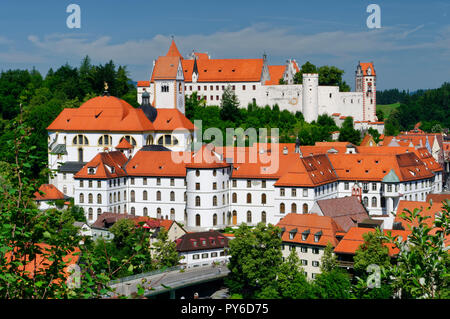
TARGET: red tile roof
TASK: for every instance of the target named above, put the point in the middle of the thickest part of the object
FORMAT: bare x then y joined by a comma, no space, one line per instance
124,145
171,120
194,241
155,163
205,157
276,73
143,83
173,50
354,238
166,68
102,113
106,165
365,66
50,192
224,70
312,224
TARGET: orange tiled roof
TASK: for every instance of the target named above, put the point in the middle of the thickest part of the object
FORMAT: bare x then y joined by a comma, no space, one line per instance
106,165
40,263
205,157
124,145
428,159
50,193
143,83
354,238
166,68
152,223
102,113
374,167
201,55
427,210
172,119
224,70
276,73
365,66
155,163
173,51
312,223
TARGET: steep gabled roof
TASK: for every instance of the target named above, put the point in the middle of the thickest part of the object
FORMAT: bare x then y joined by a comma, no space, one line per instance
173,51
104,165
50,192
166,68
276,73
194,241
172,119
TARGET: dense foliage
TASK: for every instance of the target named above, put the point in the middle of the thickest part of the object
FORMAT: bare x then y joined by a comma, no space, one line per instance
430,107
43,98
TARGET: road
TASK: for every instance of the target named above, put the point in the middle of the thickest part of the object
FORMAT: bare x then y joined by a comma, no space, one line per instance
173,279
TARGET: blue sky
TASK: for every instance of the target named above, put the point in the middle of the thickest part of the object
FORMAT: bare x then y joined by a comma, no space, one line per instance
410,51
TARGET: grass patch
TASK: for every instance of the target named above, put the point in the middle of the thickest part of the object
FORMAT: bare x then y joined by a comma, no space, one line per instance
387,108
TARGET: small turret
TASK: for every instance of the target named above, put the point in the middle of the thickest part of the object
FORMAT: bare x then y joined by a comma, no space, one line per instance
150,112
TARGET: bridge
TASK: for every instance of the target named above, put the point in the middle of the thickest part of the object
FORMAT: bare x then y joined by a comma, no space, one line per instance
167,281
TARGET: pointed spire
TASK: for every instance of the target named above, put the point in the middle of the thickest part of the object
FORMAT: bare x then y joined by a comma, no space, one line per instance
173,50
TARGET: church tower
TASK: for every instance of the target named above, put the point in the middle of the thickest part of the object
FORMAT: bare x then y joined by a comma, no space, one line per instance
169,80
365,82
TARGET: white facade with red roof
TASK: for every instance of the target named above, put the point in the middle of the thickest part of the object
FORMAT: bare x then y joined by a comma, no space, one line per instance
254,81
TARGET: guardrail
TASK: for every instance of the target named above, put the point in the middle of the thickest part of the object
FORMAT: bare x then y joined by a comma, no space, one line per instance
147,274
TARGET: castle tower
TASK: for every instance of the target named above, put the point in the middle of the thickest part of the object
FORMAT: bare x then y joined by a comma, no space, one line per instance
365,82
310,96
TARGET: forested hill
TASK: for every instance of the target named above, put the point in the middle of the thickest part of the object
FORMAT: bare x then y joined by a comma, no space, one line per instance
430,107
43,98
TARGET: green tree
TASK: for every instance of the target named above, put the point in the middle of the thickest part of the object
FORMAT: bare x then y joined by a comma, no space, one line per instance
229,106
255,256
291,281
165,251
333,284
347,133
328,261
422,264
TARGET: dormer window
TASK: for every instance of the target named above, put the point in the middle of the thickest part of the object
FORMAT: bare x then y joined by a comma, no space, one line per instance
292,233
91,170
305,234
317,236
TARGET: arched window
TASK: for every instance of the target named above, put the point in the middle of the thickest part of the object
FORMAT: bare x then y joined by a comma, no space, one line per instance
149,140
158,195
305,208
99,198
132,196
294,208
214,219
249,198
249,217
90,213
144,195
133,211
145,211
172,196
167,140
80,140
130,139
158,213
282,208
115,197
81,198
110,198
365,201
197,220
118,196
90,198
214,200
264,217
234,198
197,201
172,214
263,198
374,202
105,140
99,211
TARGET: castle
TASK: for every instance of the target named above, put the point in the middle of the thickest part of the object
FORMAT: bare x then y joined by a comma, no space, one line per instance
254,81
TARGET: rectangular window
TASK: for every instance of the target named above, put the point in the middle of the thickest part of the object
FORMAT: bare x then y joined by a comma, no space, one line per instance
304,262
99,184
249,183
90,183
214,185
374,186
263,184
243,88
144,181
234,183
304,249
81,183
211,87
172,182
254,87
196,256
346,186
305,192
213,255
206,255
158,181
315,251
294,192
132,181
281,191
315,263
197,186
